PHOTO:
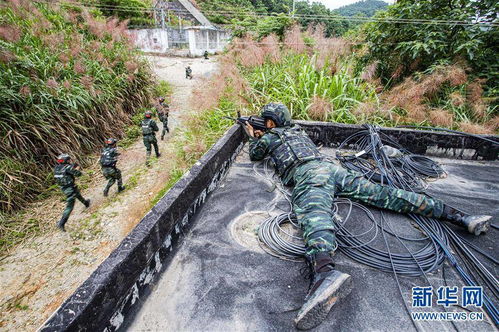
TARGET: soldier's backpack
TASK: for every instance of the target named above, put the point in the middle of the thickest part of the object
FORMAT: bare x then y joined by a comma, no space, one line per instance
146,127
107,158
62,178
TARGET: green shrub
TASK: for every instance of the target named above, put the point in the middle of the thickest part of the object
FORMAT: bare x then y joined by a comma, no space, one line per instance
68,81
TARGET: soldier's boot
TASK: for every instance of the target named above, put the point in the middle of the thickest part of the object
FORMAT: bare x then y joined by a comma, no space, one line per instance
106,192
87,203
475,224
326,288
162,137
61,223
121,188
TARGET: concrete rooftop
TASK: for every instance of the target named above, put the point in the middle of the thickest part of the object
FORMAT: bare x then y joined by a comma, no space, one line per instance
220,280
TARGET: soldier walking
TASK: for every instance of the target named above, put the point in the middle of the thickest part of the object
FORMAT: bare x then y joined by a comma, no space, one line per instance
205,55
108,160
188,72
149,129
64,174
163,110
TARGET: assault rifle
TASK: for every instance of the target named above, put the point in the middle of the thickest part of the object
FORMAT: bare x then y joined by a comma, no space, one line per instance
258,123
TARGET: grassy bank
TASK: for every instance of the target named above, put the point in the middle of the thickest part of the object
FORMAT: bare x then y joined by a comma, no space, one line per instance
68,81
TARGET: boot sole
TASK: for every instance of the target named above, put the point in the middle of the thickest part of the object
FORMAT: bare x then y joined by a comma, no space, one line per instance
314,313
480,225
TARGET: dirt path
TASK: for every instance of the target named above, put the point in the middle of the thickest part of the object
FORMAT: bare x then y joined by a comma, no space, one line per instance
37,276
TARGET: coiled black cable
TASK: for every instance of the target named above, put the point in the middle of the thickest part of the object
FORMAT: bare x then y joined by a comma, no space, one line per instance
406,172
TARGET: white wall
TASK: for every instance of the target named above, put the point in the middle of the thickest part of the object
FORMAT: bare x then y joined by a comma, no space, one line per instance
200,40
151,40
207,40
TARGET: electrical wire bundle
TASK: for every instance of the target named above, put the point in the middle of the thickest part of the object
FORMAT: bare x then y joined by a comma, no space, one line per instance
400,170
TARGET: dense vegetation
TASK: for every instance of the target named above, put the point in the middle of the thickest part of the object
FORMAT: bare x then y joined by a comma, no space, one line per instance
401,49
266,16
68,80
365,8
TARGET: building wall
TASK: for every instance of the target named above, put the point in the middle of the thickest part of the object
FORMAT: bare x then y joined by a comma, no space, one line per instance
201,40
151,40
166,41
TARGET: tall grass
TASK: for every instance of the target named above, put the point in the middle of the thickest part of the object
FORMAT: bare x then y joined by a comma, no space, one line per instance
443,96
68,80
296,82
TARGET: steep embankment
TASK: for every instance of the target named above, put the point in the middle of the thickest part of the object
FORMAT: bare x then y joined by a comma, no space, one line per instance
69,80
39,274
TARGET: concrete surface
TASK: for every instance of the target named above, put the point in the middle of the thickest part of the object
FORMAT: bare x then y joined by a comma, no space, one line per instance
218,282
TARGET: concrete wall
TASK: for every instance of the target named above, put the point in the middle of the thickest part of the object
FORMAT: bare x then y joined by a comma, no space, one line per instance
201,40
151,40
174,41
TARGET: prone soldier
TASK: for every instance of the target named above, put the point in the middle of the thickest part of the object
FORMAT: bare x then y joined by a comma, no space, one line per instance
149,129
64,174
108,160
316,181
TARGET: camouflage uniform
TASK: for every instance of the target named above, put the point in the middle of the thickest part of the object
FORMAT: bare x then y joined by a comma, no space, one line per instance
65,177
109,158
163,110
149,129
188,73
316,181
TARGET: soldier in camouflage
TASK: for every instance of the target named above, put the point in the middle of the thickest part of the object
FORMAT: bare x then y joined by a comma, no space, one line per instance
316,180
64,174
149,129
188,72
108,160
163,110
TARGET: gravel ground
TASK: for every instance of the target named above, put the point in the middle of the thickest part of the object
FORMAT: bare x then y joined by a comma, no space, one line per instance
37,276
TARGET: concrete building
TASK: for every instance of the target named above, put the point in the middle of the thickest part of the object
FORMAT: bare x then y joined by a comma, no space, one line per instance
191,39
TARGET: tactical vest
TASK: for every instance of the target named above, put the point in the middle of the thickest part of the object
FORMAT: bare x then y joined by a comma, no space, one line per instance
108,157
146,127
62,178
163,116
295,148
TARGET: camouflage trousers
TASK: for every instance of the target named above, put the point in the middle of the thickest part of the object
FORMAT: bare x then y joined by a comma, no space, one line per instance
316,184
72,194
112,174
149,141
165,128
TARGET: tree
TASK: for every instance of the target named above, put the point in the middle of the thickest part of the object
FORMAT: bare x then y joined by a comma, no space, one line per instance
402,48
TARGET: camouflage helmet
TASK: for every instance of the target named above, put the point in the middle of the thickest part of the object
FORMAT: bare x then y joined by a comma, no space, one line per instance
148,114
63,158
278,113
110,141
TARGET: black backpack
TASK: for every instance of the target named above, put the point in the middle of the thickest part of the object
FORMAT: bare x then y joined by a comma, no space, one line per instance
62,178
146,127
107,158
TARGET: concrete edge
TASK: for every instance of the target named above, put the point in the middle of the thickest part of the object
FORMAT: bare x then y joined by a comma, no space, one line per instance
424,142
103,300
